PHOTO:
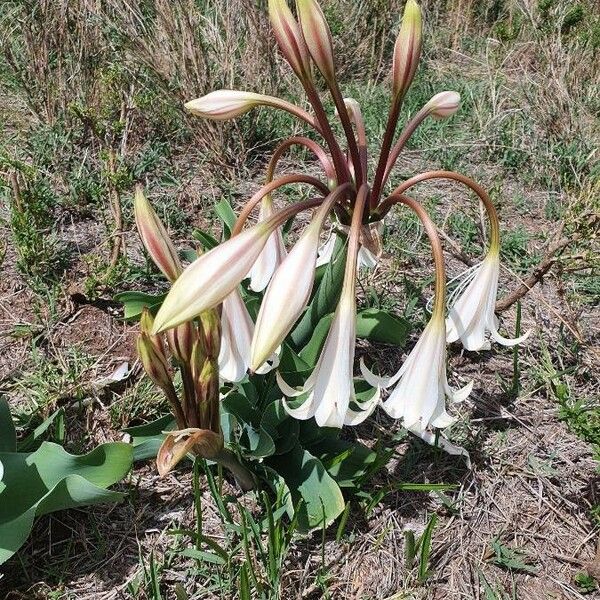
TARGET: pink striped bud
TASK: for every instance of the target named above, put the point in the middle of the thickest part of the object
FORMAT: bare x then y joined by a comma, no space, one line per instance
155,237
317,36
407,50
443,105
289,38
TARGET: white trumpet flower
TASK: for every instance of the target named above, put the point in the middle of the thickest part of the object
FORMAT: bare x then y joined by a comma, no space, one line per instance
237,329
332,397
471,313
272,254
331,384
421,387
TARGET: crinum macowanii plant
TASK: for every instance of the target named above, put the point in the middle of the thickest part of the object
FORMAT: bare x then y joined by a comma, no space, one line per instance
353,198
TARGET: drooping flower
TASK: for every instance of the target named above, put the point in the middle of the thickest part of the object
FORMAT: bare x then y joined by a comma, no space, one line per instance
331,396
289,290
421,384
368,257
272,254
471,316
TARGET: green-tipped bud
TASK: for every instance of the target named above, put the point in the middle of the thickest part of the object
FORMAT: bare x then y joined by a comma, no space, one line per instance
146,325
289,38
181,341
317,36
443,105
155,237
210,332
407,50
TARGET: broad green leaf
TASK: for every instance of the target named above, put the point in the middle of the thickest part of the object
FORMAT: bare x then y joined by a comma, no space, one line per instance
134,303
325,298
313,491
311,352
381,326
147,438
347,462
8,434
227,216
34,438
208,241
283,429
51,479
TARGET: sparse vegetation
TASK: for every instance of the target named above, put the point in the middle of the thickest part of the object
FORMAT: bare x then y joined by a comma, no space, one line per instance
91,104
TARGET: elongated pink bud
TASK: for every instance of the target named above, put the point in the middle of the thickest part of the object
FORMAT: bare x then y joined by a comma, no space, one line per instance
407,50
154,363
155,238
289,290
289,38
222,105
212,276
317,36
443,105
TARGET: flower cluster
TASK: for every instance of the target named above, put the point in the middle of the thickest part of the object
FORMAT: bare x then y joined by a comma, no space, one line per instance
354,202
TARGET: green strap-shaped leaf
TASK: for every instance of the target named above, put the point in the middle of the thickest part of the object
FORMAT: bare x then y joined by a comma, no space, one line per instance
51,479
378,325
227,216
134,303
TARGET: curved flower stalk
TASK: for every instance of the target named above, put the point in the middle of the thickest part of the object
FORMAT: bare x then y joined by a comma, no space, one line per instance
421,384
330,386
471,305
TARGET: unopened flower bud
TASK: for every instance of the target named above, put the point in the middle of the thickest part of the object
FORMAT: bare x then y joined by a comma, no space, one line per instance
146,325
155,237
154,363
317,36
289,38
181,341
407,50
222,105
443,105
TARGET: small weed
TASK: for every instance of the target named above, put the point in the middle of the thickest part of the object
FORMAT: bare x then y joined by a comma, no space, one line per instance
509,558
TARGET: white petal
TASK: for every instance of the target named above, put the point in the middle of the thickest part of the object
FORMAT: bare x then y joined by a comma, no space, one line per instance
272,254
357,417
237,329
326,250
375,380
305,411
507,341
458,395
288,390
